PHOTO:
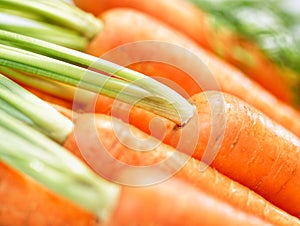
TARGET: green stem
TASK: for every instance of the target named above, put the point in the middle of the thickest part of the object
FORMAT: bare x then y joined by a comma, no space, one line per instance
30,109
54,88
46,162
134,88
43,31
71,74
58,12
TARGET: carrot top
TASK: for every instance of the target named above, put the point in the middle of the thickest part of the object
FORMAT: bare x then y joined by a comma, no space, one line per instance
90,73
23,105
48,163
54,21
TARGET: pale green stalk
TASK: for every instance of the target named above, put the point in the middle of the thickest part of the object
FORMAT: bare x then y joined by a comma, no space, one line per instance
51,87
58,12
130,87
30,109
42,30
48,163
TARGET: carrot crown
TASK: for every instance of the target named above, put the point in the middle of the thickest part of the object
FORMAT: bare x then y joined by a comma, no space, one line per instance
90,73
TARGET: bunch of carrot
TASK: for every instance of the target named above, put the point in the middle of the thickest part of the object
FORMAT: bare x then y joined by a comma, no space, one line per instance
239,134
27,150
203,202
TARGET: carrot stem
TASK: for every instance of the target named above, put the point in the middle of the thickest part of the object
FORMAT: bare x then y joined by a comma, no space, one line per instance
43,30
58,12
48,163
126,85
22,104
57,89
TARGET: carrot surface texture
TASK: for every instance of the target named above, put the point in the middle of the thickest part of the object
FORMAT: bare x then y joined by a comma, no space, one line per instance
203,28
132,29
255,151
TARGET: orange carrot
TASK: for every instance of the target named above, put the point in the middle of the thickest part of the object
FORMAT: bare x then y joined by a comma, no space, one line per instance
132,29
24,202
91,130
196,24
255,151
162,205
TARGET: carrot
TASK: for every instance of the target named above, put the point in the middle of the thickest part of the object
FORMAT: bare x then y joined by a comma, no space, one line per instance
227,43
117,32
255,151
161,205
93,130
251,139
25,202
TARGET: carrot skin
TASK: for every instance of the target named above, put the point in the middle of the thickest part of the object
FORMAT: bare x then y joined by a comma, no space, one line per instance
161,205
254,151
117,32
209,181
24,202
198,27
